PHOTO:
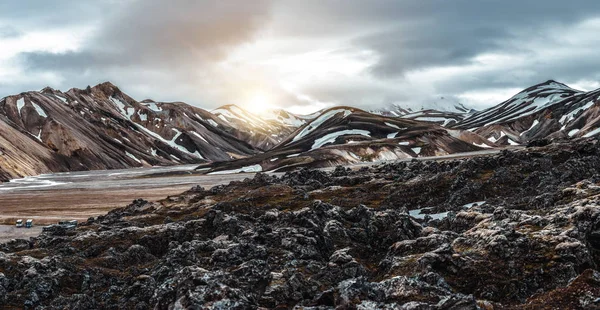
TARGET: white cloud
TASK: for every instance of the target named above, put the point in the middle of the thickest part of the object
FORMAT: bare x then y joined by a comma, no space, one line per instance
52,41
13,72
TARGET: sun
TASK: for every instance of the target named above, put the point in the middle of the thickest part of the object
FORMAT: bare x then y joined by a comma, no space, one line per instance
259,102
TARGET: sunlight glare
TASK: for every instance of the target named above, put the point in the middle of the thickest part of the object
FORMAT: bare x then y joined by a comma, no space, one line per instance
259,102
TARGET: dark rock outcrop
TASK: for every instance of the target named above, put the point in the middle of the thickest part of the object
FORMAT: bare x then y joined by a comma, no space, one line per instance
518,230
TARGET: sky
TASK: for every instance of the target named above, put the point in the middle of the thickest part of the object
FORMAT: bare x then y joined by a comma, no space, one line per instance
301,55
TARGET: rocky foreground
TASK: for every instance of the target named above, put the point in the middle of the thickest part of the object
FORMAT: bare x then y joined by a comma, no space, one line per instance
516,230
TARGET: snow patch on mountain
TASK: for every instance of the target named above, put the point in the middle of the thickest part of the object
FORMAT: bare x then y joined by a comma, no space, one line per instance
20,104
170,142
482,145
123,108
392,125
571,115
247,169
173,144
64,100
39,110
285,118
152,106
330,138
317,122
234,112
199,136
592,133
224,114
210,121
494,140
535,122
133,157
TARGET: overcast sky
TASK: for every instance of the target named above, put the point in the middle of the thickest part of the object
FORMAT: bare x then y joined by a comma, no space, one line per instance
301,55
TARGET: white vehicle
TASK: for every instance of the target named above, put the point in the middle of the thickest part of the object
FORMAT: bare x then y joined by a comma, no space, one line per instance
19,223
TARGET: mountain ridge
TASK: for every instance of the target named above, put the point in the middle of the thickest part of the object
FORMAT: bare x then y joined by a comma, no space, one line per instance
549,110
347,135
101,127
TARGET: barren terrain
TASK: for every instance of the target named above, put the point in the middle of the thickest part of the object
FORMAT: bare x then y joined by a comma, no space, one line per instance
80,195
519,229
9,232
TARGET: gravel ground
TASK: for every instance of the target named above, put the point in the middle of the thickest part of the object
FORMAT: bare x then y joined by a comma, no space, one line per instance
8,232
80,195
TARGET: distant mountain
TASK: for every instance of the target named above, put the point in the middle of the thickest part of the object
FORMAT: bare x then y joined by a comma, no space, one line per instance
288,119
101,127
344,135
443,111
263,132
550,110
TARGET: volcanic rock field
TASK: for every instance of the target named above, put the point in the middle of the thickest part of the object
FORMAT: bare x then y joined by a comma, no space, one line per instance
516,230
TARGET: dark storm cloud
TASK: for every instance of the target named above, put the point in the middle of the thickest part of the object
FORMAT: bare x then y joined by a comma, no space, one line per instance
163,30
157,44
173,47
158,32
453,32
410,48
411,36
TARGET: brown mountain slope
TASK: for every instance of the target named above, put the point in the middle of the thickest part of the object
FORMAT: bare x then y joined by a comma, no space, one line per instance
345,135
101,127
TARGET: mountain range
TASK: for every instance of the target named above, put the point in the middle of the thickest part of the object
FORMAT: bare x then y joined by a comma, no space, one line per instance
550,110
101,127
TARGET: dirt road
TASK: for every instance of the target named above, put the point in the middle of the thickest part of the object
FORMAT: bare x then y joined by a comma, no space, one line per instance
9,232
